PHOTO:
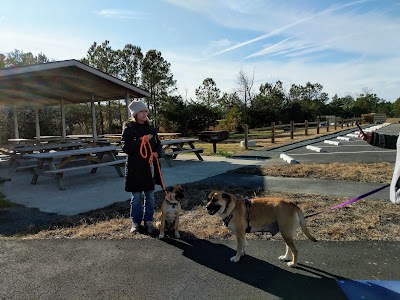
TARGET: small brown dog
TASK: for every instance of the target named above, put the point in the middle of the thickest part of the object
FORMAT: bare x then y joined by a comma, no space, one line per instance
262,214
170,210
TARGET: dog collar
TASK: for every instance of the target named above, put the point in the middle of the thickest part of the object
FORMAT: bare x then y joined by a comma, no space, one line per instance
170,203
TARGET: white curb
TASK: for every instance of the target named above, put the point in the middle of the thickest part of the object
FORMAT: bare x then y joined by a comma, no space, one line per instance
288,159
344,138
316,149
332,142
352,135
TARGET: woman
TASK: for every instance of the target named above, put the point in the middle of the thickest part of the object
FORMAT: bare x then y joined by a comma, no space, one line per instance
141,174
389,142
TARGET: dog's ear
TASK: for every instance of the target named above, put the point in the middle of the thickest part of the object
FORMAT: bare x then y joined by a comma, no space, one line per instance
226,196
179,195
178,188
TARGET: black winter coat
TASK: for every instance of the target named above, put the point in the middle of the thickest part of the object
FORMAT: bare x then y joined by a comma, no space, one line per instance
138,175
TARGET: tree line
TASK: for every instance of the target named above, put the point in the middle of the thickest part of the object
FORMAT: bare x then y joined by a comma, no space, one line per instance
170,111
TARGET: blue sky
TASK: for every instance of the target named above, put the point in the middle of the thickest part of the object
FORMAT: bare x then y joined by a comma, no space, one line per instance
347,46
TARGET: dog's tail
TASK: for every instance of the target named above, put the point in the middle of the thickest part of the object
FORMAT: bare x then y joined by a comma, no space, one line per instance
303,225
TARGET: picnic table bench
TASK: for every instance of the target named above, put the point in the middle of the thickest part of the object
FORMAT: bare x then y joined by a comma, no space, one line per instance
17,154
47,164
171,149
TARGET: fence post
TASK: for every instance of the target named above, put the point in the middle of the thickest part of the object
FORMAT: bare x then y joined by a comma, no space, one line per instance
335,123
327,125
273,132
317,125
306,125
246,131
291,129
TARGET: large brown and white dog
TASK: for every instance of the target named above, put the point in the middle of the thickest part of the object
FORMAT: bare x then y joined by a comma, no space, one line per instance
170,211
260,214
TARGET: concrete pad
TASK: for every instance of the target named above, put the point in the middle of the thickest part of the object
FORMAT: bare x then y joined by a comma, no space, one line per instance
85,191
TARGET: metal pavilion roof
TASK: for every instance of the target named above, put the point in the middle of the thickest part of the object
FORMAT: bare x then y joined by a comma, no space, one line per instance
69,80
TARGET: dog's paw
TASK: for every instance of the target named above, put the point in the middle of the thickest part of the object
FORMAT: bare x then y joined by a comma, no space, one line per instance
235,259
177,235
161,236
284,258
291,264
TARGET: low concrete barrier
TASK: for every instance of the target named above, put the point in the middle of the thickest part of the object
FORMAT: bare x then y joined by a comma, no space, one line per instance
316,149
332,142
288,159
343,138
251,143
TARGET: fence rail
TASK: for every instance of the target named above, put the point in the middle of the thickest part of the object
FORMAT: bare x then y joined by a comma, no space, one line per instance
281,129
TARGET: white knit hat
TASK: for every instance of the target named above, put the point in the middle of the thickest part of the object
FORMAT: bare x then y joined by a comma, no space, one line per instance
137,106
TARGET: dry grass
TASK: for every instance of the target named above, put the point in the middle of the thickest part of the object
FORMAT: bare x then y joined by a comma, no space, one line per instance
361,172
364,220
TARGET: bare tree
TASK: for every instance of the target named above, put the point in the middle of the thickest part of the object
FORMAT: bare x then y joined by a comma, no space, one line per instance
245,88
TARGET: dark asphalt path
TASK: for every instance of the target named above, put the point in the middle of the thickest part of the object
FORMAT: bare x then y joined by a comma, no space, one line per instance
191,269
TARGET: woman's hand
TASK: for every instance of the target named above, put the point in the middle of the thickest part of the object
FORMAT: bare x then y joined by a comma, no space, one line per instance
147,137
366,137
155,154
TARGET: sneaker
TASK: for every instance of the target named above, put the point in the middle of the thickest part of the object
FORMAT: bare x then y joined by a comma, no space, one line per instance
134,228
150,227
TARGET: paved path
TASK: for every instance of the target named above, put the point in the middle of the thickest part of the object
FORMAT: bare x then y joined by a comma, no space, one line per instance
341,188
196,269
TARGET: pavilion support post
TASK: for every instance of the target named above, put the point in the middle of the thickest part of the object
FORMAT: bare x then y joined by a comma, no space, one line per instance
94,129
64,129
15,114
127,113
37,124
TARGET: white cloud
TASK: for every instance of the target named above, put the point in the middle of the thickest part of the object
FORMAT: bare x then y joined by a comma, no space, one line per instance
49,44
122,14
337,78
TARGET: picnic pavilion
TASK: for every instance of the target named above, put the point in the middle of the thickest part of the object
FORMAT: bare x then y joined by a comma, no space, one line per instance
60,83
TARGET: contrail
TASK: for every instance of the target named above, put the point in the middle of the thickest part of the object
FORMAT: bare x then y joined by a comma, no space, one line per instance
276,31
264,51
309,46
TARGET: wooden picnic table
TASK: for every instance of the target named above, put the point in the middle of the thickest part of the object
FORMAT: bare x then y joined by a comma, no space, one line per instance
47,147
57,163
171,149
37,141
161,135
168,135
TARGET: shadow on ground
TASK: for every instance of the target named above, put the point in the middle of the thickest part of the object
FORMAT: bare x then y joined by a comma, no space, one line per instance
285,284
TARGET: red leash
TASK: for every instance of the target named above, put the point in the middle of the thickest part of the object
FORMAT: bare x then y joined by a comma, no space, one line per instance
144,153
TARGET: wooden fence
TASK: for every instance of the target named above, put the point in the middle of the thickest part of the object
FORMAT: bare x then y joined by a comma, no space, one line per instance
277,130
